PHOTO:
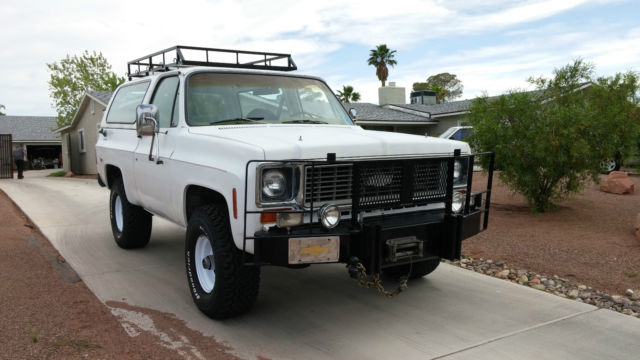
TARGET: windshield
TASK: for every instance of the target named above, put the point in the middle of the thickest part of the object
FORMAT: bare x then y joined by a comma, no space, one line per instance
218,99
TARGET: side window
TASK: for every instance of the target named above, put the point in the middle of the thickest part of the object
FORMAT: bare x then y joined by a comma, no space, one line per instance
81,146
165,99
457,135
123,107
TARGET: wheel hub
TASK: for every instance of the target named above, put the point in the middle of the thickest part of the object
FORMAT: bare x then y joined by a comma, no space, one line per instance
204,256
207,262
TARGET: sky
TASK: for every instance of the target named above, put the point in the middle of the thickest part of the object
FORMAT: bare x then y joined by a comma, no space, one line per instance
493,46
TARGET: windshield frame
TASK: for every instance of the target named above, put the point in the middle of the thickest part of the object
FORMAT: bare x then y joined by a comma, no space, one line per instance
349,121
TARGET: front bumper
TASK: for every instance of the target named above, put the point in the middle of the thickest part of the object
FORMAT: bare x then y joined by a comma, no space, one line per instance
441,235
373,240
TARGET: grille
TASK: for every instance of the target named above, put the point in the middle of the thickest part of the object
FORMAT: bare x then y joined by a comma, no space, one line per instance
429,181
381,184
331,183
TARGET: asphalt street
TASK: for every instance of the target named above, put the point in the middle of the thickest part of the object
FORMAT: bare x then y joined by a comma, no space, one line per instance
319,312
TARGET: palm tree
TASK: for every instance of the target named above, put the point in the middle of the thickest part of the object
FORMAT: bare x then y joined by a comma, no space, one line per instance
380,57
440,93
347,94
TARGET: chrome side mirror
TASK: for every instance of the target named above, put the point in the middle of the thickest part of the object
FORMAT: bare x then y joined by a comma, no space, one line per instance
146,120
353,113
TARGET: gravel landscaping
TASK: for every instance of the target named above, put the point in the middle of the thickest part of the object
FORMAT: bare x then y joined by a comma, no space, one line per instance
629,304
585,250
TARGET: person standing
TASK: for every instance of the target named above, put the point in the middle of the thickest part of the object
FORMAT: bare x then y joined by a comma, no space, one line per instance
18,157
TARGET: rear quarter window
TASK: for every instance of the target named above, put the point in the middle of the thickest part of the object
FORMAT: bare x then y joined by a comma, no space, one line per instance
123,106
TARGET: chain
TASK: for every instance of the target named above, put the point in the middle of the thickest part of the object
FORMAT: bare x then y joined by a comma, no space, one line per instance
375,282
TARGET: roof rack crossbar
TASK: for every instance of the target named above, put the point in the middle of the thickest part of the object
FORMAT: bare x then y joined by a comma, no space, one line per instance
148,64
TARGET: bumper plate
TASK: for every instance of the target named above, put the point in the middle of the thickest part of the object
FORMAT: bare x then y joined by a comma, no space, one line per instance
314,249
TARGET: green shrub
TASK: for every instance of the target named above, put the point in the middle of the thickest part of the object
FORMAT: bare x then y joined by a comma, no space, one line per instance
548,142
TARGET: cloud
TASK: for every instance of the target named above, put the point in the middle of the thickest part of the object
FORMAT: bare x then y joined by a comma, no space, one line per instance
40,32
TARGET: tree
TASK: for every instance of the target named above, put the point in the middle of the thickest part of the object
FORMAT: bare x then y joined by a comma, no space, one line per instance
2,112
347,94
74,75
549,142
449,84
380,57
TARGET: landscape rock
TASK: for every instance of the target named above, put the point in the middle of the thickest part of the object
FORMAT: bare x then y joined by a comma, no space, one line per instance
68,174
628,304
618,182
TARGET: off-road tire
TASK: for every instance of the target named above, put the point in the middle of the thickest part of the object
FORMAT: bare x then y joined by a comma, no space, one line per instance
418,270
136,221
235,288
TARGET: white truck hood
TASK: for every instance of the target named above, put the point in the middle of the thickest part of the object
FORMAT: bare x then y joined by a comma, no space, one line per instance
307,141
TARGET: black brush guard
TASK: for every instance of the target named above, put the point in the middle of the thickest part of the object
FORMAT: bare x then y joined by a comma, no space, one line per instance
364,236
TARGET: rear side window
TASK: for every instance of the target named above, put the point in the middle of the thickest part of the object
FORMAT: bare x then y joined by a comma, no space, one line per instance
123,107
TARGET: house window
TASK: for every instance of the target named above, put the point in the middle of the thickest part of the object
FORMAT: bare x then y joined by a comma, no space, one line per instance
93,107
81,145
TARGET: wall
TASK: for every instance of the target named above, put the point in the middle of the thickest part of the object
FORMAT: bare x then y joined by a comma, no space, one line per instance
83,162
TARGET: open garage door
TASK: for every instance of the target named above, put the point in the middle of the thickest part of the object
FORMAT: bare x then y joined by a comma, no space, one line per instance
6,158
44,156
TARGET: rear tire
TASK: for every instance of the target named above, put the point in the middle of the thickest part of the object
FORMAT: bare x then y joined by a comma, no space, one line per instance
130,224
418,270
221,286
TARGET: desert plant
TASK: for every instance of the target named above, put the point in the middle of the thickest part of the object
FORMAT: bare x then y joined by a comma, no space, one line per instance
548,142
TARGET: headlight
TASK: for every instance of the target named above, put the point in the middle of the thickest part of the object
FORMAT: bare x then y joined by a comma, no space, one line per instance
460,168
274,184
277,185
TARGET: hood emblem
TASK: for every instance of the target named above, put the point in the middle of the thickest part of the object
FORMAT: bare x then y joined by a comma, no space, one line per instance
300,139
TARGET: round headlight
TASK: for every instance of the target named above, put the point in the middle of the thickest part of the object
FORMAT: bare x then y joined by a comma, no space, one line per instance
274,183
329,216
458,202
457,170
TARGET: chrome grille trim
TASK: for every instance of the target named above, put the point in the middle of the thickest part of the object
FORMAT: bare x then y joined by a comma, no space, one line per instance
331,183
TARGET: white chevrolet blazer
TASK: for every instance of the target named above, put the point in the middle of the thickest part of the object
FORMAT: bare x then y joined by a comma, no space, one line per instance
267,168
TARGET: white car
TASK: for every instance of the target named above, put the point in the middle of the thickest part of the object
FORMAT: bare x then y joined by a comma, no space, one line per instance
460,133
267,168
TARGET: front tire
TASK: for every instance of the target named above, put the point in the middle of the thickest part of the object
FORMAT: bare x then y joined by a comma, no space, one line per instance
221,286
418,270
130,224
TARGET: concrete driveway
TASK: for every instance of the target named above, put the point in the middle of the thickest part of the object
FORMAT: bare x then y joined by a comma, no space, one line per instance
318,312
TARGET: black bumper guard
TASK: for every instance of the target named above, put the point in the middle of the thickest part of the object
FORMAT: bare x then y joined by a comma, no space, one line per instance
361,201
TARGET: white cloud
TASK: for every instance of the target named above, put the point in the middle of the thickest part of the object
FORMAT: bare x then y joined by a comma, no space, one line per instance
39,32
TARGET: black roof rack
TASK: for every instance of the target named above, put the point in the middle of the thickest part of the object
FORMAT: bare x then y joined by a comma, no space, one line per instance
181,56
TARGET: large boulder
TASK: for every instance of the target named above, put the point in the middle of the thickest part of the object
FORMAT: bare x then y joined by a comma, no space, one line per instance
617,182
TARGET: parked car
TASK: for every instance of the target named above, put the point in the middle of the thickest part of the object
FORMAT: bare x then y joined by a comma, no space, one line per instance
460,133
267,168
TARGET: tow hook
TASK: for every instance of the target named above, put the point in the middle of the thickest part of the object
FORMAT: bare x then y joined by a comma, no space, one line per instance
352,267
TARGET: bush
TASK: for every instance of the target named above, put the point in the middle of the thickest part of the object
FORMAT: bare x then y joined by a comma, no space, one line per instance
548,142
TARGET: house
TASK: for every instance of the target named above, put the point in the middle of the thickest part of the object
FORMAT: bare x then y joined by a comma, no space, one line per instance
79,137
36,134
422,117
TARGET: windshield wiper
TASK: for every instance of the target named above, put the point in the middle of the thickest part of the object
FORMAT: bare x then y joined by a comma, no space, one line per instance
304,121
239,121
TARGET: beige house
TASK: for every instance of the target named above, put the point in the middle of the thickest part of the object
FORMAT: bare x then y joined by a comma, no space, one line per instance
79,138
